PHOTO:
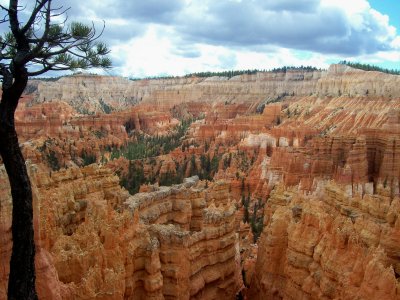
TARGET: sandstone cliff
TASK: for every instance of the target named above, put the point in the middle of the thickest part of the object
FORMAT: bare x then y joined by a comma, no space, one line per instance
89,93
198,244
316,154
328,245
94,241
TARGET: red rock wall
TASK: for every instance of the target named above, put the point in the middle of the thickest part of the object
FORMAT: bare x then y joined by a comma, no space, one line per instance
170,243
198,243
328,246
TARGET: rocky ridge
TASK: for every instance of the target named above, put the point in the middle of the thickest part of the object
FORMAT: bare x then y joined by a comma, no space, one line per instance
328,245
90,93
95,241
313,157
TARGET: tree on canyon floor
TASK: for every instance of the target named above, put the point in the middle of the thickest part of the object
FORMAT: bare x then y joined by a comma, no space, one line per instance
39,41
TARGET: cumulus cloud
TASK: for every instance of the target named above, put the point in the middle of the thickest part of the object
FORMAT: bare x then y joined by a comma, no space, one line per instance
288,5
188,51
155,54
152,11
124,19
155,37
322,26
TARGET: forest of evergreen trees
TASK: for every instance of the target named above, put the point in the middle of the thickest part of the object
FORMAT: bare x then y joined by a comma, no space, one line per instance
291,68
232,73
255,218
368,67
150,146
135,176
229,74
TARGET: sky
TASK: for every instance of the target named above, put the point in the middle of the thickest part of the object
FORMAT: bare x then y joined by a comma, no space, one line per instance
177,37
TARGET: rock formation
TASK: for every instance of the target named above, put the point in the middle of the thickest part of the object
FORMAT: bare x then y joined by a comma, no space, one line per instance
328,245
91,93
95,241
198,246
314,157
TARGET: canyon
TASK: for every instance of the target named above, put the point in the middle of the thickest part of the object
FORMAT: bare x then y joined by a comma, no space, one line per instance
274,185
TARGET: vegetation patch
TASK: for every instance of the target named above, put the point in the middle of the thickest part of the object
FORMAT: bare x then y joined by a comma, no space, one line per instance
368,67
150,146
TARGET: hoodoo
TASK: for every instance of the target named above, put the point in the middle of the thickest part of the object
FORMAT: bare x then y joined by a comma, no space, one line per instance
273,185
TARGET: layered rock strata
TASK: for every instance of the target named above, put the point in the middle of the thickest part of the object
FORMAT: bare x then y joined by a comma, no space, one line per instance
198,244
89,92
94,241
328,245
320,149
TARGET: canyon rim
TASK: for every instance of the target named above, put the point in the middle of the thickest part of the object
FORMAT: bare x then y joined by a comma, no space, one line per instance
281,185
222,149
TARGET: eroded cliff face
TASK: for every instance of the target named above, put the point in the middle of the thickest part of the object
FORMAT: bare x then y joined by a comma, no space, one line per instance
309,160
90,93
232,110
331,221
328,245
199,250
94,241
54,133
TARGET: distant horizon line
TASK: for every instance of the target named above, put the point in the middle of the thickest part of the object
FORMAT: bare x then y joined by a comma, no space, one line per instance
231,73
241,71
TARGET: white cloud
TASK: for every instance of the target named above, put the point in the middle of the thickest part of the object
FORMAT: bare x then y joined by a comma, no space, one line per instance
349,7
396,43
363,18
209,35
151,54
154,54
158,37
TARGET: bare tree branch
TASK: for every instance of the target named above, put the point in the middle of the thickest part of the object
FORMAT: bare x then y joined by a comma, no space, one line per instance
4,8
46,29
39,5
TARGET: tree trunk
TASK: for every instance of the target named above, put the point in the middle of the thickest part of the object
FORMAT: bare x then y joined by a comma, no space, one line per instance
21,282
